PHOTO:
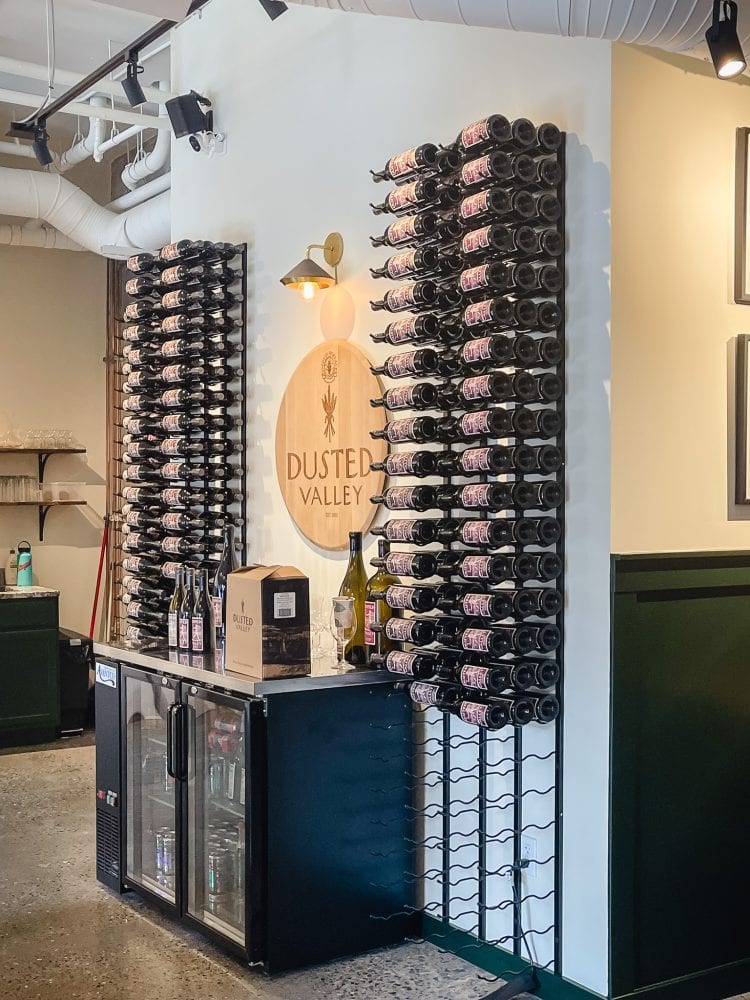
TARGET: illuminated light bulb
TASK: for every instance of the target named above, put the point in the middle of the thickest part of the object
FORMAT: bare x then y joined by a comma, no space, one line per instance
308,290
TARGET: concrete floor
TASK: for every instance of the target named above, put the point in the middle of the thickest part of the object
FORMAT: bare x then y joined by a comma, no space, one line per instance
64,935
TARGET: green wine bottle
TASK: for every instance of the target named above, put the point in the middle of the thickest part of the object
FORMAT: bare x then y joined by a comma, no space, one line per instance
377,612
354,585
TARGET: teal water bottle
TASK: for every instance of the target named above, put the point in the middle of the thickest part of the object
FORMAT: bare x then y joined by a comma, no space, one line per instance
24,565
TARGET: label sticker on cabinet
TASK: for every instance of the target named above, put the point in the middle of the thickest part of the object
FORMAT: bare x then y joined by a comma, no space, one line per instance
105,674
285,605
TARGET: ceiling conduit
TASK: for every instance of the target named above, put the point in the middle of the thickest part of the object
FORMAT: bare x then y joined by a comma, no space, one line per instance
674,25
33,194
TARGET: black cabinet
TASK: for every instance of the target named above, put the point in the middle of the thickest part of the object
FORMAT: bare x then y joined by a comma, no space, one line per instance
29,674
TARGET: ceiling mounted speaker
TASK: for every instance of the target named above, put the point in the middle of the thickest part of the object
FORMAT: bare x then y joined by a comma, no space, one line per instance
166,10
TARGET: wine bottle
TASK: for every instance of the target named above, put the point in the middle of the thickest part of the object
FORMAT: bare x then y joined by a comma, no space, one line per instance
543,423
141,263
408,263
140,495
497,532
409,230
141,333
416,295
546,673
144,565
543,352
138,541
419,599
143,309
491,715
490,680
201,627
410,197
495,276
143,633
403,166
500,387
419,498
501,496
408,463
181,497
184,633
377,612
199,320
418,565
495,423
495,459
419,531
410,664
544,173
419,631
545,707
437,695
228,563
492,131
529,243
354,585
199,250
495,606
495,641
174,611
186,275
412,329
216,297
208,347
543,602
419,396
411,363
420,430
495,202
144,590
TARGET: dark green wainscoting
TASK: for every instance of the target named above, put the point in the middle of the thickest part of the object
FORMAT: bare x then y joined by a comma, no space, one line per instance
680,785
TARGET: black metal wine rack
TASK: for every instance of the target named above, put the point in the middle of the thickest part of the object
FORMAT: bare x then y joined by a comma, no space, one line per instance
146,364
488,802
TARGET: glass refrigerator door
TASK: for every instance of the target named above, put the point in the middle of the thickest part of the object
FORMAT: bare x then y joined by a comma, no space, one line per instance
150,735
217,794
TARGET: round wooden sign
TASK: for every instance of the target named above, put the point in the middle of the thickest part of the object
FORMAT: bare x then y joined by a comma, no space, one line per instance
323,444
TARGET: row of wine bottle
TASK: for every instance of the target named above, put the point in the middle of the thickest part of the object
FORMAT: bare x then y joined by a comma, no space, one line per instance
493,714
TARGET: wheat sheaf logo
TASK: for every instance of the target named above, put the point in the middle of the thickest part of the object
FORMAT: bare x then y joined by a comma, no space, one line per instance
329,370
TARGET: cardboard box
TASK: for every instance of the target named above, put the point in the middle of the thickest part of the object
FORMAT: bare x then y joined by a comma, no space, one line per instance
268,622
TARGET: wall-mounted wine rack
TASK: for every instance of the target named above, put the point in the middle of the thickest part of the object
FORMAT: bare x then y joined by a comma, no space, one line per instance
480,238
179,463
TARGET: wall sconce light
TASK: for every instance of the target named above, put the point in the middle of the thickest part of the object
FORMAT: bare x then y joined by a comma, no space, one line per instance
307,276
723,43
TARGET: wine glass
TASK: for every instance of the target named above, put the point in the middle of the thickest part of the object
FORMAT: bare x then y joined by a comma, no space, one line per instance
343,625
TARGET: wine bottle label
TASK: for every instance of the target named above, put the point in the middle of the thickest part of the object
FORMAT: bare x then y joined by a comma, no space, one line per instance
401,330
401,264
136,264
399,465
473,713
132,518
401,430
476,387
475,533
171,348
424,694
136,357
474,277
134,564
476,567
403,163
399,662
170,252
401,231
400,531
399,398
132,585
134,403
476,170
183,633
172,373
172,628
171,545
171,497
218,611
196,630
172,275
370,616
169,570
476,640
476,495
400,298
401,598
478,312
133,634
134,608
172,299
475,423
171,446
400,497
399,563
132,310
403,197
171,470
477,239
171,324
476,605
134,494
475,133
475,204
171,522
131,334
135,448
472,676
134,472
399,629
476,460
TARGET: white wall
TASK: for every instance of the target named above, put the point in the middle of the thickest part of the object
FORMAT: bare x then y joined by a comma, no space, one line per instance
52,340
310,103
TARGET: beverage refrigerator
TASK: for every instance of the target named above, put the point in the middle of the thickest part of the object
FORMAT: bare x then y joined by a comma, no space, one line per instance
257,819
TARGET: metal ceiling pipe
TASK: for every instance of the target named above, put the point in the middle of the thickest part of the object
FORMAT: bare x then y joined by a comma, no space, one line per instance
18,99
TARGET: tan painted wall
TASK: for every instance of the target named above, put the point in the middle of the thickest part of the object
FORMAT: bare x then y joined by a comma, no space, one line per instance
673,314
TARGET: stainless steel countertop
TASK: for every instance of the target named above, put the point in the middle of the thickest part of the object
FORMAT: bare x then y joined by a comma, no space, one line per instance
193,668
25,593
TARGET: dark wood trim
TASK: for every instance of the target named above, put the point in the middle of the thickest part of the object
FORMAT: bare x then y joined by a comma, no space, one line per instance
741,293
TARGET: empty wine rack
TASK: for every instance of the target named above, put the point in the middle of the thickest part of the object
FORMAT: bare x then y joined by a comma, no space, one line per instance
179,450
480,237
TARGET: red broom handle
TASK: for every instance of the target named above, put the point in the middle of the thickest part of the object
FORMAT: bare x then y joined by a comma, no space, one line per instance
102,554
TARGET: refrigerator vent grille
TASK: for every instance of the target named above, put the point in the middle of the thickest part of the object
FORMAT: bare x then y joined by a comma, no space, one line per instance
107,842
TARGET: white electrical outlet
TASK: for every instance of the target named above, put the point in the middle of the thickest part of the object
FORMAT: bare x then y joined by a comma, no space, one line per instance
528,853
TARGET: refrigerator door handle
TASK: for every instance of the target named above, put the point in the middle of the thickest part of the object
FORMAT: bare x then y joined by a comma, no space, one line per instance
181,741
170,740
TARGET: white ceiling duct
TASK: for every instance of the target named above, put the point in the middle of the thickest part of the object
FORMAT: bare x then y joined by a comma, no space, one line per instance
53,199
675,25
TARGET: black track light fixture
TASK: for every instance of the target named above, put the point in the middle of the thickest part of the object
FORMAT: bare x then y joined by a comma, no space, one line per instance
274,8
133,89
723,41
187,115
39,145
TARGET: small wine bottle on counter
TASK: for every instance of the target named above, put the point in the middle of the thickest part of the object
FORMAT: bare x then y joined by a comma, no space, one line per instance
228,562
354,585
419,531
185,612
201,627
174,611
377,611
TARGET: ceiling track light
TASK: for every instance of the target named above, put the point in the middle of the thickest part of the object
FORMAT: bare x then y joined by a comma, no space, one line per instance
188,117
133,89
723,42
39,145
274,8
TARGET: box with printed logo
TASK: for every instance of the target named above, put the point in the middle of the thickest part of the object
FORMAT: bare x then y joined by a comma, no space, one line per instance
268,622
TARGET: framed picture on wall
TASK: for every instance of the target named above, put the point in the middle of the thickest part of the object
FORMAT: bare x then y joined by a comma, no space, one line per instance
742,397
741,220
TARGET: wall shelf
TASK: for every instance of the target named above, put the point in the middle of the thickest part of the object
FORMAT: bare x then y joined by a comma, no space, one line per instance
43,456
44,508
